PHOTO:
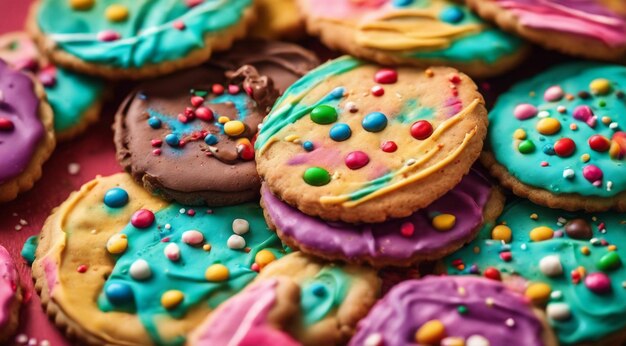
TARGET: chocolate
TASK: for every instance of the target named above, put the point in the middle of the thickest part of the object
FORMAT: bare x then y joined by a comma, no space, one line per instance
578,229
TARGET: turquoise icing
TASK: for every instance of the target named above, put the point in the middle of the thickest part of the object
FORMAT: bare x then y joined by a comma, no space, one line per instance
572,78
29,249
593,316
242,103
413,111
187,274
148,35
323,293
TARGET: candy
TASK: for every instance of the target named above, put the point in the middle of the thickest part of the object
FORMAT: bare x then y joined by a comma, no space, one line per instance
264,257
564,147
316,176
541,233
553,94
444,222
204,113
548,126
118,293
234,128
210,139
538,292
172,298
599,143
116,13
323,115
477,340
592,173
240,226
140,270
308,146
618,145
452,14
609,261
374,122
568,173
492,273
192,237
6,124
172,252
389,146
558,311
524,111
578,229
117,244
551,265
340,132
407,229
142,218
377,90
108,36
519,134
526,147
356,160
116,198
172,140
430,333
600,86
236,242
421,129
82,5
386,76
216,273
598,283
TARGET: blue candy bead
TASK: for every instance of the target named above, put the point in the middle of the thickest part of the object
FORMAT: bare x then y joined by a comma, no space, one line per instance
154,122
340,132
172,140
548,149
119,293
374,122
308,146
452,15
210,139
116,197
402,3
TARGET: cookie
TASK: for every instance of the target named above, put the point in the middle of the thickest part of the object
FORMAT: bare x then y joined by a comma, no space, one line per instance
594,29
188,137
76,99
26,133
569,263
421,33
278,19
453,311
10,296
296,300
116,265
136,39
428,234
558,138
356,142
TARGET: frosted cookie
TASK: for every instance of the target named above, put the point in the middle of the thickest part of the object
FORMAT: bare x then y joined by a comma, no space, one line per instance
10,296
136,39
453,311
116,265
26,133
188,136
278,19
414,32
558,138
568,263
356,142
594,29
428,234
296,300
76,100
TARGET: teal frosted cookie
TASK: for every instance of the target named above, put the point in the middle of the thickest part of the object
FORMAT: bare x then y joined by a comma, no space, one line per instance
570,263
76,99
116,265
558,138
136,38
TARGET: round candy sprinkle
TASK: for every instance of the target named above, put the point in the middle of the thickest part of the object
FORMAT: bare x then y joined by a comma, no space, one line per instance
548,149
519,134
553,94
407,229
172,140
116,13
477,340
196,101
192,237
421,129
492,273
583,113
172,298
386,76
592,173
374,122
609,261
599,143
444,222
452,14
172,252
308,146
108,36
216,273
264,257
210,139
502,233
140,270
118,293
431,333
154,122
598,283
316,176
324,114
402,3
564,147
6,124
389,146
600,86
82,5
241,226
526,147
568,173
558,311
142,218
340,132
116,198
541,233
204,113
377,90
525,111
548,126
578,229
356,160
551,265
236,242
117,244
538,292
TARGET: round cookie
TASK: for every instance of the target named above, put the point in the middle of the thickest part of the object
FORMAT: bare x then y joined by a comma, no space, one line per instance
414,32
116,265
428,234
558,138
188,137
568,263
26,133
453,311
136,39
594,29
278,19
10,296
355,142
295,298
76,99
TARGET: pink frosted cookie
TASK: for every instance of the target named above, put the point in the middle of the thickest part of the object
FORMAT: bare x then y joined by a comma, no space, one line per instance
10,296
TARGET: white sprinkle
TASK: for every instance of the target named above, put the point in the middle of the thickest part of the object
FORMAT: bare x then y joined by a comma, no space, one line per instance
93,231
192,237
21,339
44,343
477,340
523,246
551,265
32,342
182,210
168,226
373,340
15,214
613,125
489,301
172,252
558,311
568,173
1,96
561,109
543,114
561,221
140,270
410,162
73,168
18,227
23,222
556,295
236,242
609,185
509,322
241,226
351,107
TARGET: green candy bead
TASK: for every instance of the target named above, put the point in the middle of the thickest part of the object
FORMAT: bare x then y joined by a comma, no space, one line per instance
324,114
526,147
462,309
610,261
316,176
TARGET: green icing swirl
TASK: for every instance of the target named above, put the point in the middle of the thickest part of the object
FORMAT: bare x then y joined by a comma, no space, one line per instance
323,294
187,274
148,35
593,316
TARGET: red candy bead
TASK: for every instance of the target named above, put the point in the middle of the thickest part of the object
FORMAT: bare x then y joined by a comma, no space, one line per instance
246,152
142,218
6,124
564,147
156,143
179,25
108,36
377,90
421,129
183,118
196,101
506,256
217,89
389,146
233,89
81,268
592,173
386,76
192,3
357,159
598,283
407,229
204,113
492,273
599,143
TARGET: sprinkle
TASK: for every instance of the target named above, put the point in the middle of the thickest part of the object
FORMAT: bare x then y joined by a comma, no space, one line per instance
116,13
534,216
179,25
543,114
6,124
108,36
236,242
510,322
374,339
172,252
374,122
386,76
421,129
407,229
568,173
323,115
263,258
389,146
234,128
172,299
351,107
356,160
204,114
116,198
73,168
430,333
140,270
489,301
82,268
340,132
117,243
538,292
217,273
240,226
192,237
553,94
444,222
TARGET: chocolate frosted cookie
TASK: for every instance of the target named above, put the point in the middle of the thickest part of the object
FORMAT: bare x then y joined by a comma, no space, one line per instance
188,137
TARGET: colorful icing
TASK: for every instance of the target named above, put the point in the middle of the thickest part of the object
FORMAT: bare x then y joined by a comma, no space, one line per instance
21,130
420,29
29,248
153,31
589,18
545,130
574,264
9,281
385,242
323,294
450,311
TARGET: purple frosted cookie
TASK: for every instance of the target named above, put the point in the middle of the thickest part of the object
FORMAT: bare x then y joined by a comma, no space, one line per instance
453,311
428,234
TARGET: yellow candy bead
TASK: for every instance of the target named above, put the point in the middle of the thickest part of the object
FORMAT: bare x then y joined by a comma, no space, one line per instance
172,299
534,216
223,120
519,134
117,244
611,247
264,257
116,13
585,157
541,233
234,128
502,233
430,333
600,86
538,292
444,222
82,5
206,247
216,273
606,120
585,251
548,126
